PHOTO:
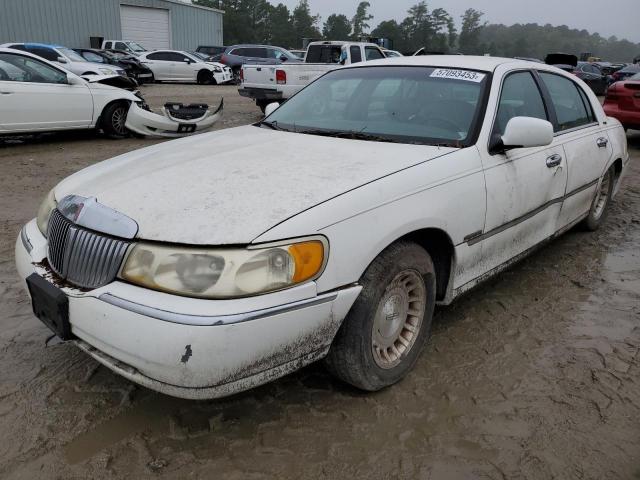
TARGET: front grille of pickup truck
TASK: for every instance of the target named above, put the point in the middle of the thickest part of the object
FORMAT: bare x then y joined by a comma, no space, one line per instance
83,257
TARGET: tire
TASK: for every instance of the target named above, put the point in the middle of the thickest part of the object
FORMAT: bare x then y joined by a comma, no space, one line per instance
205,77
398,295
262,104
113,120
600,205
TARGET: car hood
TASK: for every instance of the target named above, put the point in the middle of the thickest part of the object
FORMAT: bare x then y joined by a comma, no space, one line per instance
230,186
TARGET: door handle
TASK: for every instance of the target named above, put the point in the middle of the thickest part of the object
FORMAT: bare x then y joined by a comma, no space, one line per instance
6,93
602,142
554,160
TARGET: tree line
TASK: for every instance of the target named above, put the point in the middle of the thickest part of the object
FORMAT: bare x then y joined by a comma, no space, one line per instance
259,21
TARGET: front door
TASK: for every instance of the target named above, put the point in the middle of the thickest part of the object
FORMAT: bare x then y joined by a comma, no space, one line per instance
36,96
525,186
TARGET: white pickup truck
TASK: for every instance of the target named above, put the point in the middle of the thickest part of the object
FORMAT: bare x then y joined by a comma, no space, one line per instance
276,83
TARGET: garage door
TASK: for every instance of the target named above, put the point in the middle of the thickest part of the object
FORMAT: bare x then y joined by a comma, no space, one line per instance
147,26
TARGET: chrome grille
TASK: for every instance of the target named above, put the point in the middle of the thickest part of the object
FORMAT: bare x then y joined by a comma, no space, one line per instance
83,257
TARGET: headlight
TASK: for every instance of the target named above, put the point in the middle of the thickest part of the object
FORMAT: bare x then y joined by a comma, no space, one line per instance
106,71
44,212
217,69
225,272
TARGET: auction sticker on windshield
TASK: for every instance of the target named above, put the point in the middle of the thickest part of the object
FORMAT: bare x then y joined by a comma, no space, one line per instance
458,74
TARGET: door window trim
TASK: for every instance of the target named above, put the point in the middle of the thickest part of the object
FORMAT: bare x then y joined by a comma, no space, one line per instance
589,108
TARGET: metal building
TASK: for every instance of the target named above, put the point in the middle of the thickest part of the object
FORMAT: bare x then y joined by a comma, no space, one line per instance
152,23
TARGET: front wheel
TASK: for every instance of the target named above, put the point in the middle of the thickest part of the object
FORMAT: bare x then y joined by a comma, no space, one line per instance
205,77
388,325
114,118
601,201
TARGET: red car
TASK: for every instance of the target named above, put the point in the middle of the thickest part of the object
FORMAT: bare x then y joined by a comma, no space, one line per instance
623,102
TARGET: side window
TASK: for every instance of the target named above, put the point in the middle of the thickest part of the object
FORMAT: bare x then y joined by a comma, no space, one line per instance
240,52
372,53
520,97
587,104
162,56
177,57
273,53
567,101
43,52
356,55
16,68
108,45
93,57
120,46
259,53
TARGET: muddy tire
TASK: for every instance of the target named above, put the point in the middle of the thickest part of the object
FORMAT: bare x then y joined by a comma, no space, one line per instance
601,200
387,327
113,120
262,104
205,77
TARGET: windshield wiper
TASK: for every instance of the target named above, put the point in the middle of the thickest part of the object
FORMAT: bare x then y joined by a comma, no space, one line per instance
273,126
353,135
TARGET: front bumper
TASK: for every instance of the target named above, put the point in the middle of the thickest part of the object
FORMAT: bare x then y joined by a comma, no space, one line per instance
147,123
194,348
260,93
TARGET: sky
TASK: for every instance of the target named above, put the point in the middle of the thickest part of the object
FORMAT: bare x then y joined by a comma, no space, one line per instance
615,17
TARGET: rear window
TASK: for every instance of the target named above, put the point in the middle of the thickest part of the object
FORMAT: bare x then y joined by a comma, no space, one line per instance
323,54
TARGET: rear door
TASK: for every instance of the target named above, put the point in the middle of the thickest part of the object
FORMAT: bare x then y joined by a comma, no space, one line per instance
586,145
184,67
36,96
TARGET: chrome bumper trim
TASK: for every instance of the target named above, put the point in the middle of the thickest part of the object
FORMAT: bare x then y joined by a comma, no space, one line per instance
217,320
26,243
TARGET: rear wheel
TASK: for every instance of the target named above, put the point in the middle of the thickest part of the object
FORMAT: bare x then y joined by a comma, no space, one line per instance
601,201
388,325
205,77
113,120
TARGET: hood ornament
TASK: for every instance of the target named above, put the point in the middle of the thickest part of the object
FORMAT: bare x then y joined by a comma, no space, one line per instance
87,212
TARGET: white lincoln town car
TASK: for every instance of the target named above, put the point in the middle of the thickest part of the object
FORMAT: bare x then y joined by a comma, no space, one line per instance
331,229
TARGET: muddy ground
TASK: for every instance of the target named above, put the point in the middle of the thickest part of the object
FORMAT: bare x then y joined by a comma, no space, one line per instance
532,376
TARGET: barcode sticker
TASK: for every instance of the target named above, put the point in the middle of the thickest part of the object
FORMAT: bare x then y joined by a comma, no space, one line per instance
466,75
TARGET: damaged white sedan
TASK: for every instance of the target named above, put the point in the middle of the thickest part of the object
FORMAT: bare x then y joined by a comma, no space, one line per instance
208,265
39,96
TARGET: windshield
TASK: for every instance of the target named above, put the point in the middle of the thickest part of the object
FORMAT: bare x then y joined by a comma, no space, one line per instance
635,77
423,105
136,47
71,55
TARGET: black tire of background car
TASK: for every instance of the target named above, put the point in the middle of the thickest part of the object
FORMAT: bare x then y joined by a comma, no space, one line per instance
205,77
593,220
351,355
113,118
262,104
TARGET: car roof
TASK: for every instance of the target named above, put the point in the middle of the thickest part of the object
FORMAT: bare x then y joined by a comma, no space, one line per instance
469,62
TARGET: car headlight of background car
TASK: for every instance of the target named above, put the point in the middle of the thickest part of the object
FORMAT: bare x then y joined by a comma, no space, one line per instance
225,272
44,212
217,69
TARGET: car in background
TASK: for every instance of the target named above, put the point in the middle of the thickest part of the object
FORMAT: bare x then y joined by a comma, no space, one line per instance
179,66
299,53
591,74
236,56
66,58
623,102
128,46
626,72
39,96
391,53
129,63
279,83
213,52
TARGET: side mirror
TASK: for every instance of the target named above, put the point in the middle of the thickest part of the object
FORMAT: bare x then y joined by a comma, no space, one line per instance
61,60
74,80
269,109
283,58
523,132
